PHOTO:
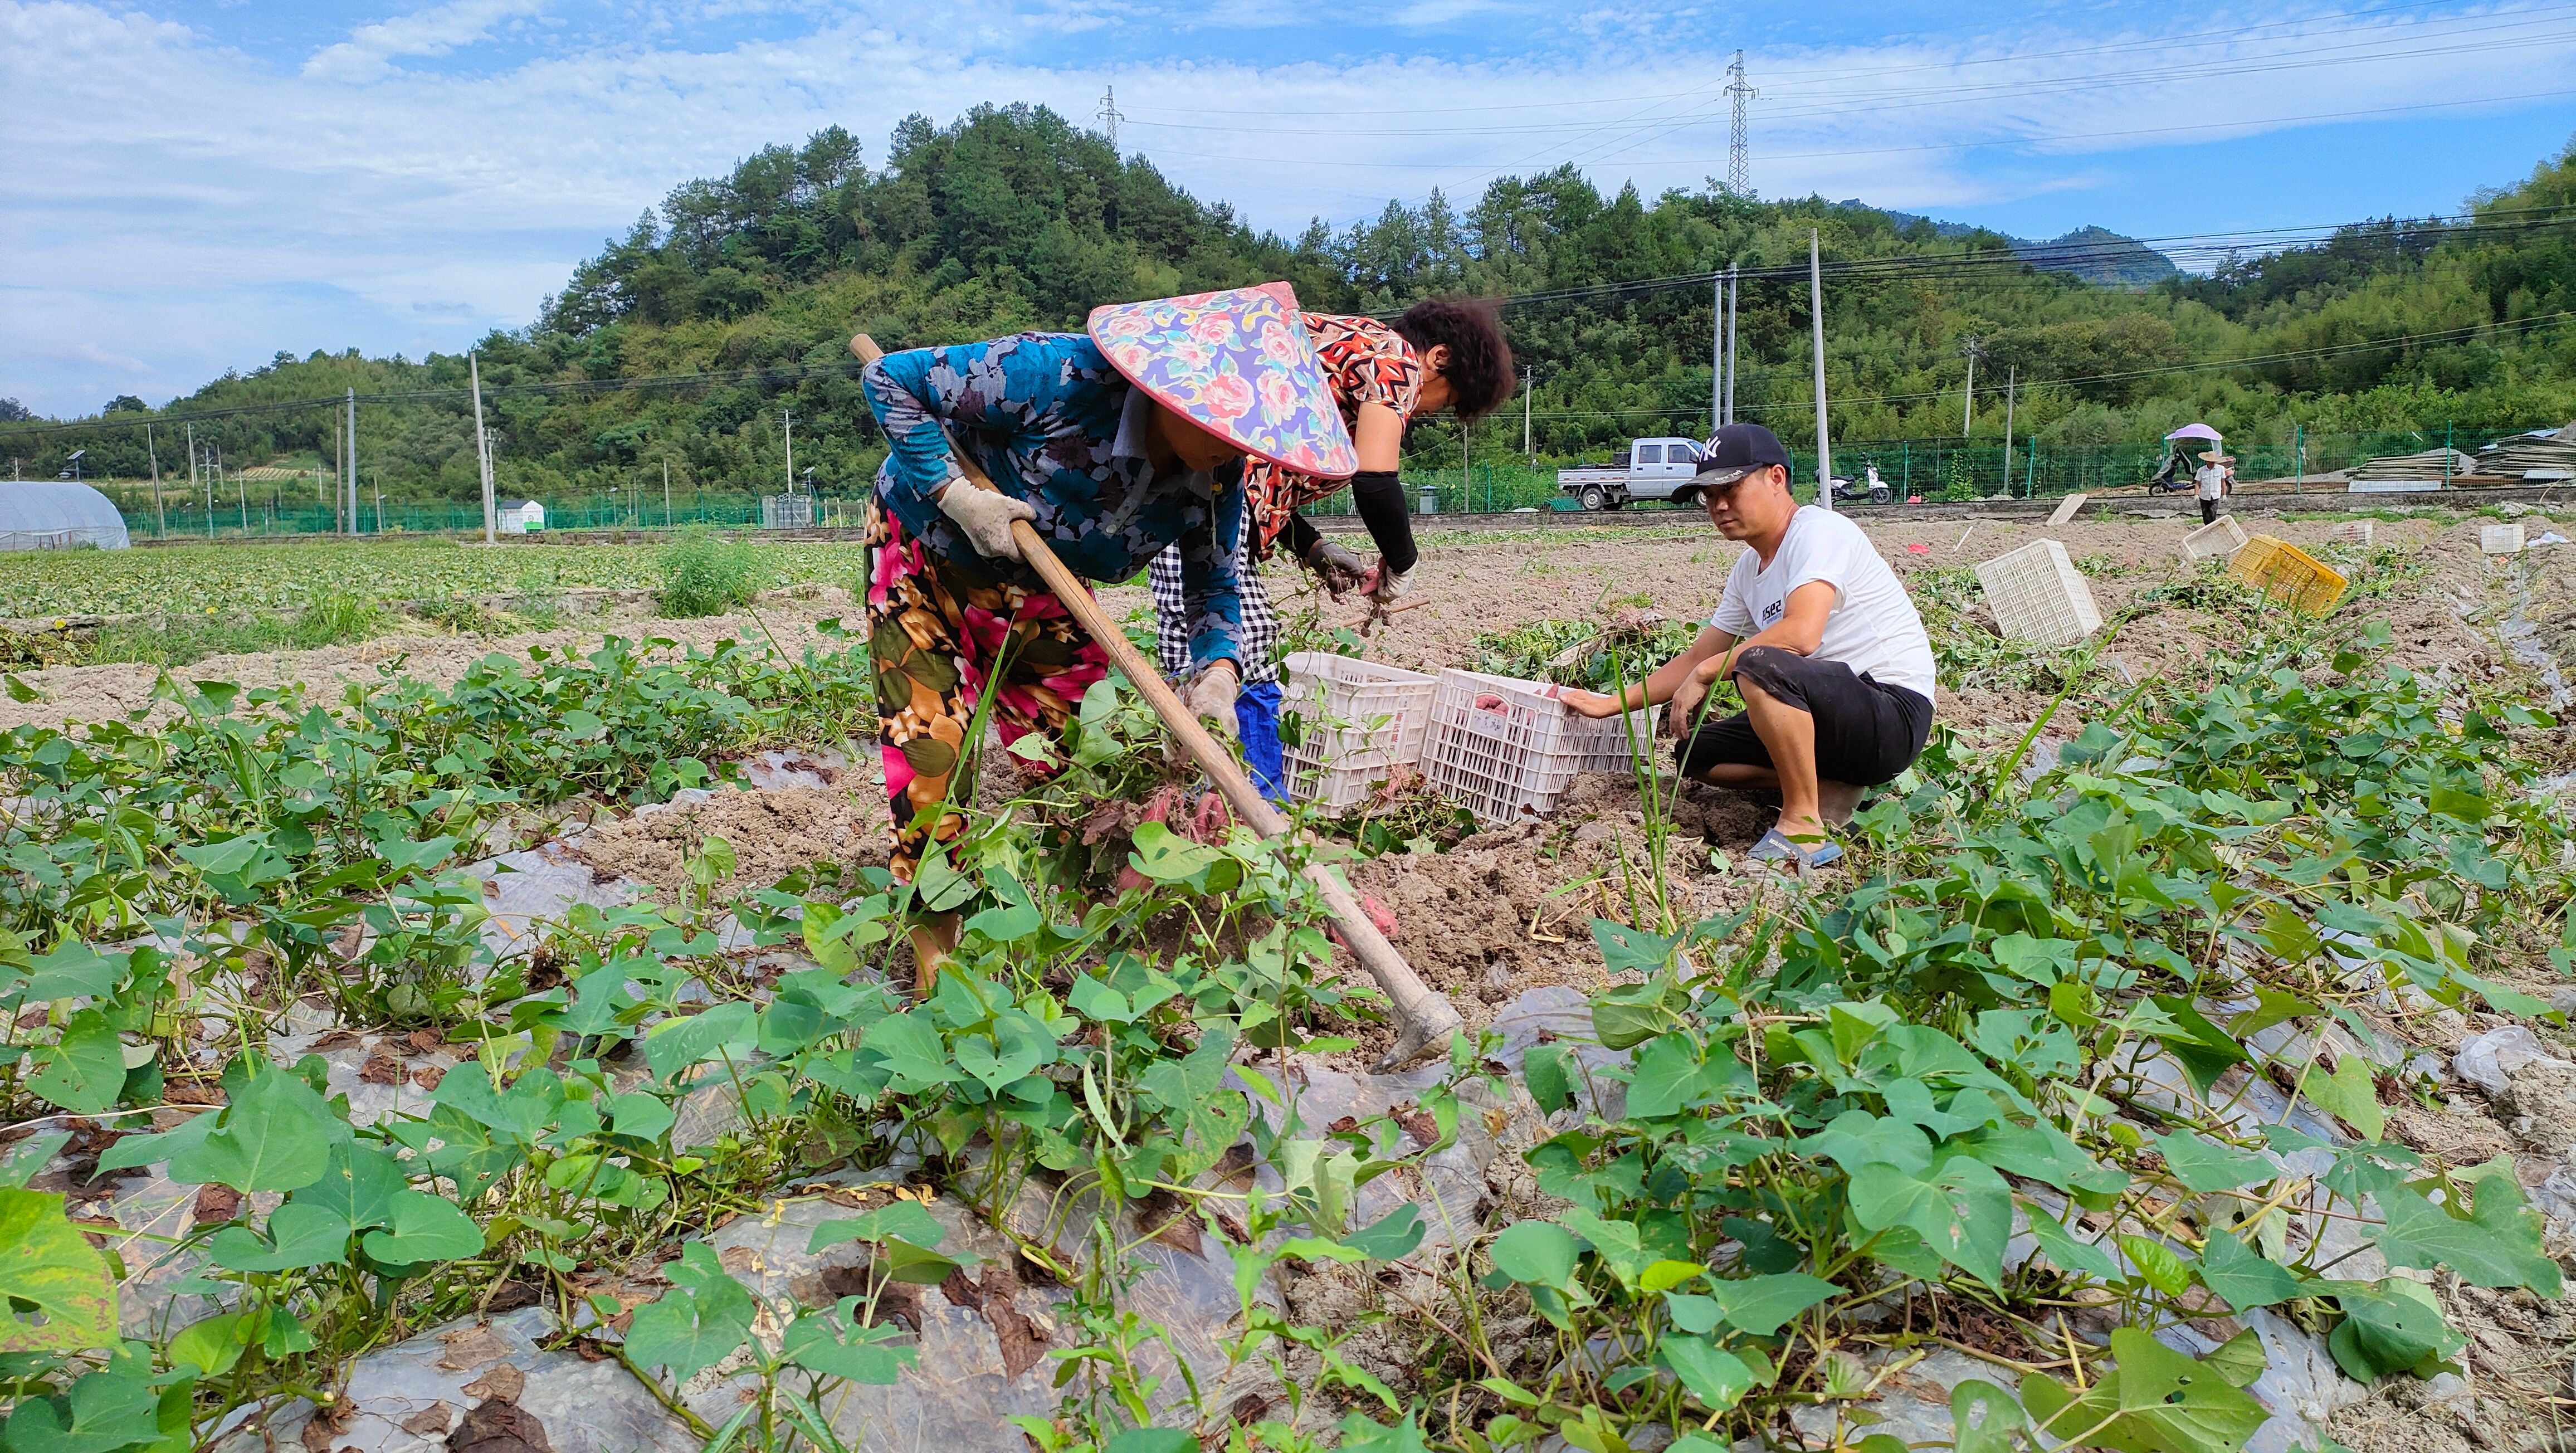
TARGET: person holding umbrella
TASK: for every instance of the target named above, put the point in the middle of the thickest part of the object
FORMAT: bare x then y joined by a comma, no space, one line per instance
1114,444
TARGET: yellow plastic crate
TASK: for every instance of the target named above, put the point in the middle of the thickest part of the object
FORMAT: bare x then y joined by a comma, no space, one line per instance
2287,574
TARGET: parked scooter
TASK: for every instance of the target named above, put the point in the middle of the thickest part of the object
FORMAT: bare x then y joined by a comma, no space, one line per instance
2171,476
1870,488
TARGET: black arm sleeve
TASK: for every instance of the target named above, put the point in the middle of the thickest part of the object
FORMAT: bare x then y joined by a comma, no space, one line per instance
1379,497
1300,536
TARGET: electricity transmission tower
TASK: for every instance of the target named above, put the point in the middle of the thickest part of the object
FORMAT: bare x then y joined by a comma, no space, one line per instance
1739,93
1109,116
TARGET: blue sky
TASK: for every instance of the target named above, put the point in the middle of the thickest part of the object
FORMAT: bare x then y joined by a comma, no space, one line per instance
196,186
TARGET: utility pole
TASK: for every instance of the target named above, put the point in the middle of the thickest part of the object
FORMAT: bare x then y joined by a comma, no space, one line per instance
787,424
1739,93
160,520
1974,349
197,481
483,453
666,488
349,457
1528,380
1734,336
2012,381
1717,352
1816,310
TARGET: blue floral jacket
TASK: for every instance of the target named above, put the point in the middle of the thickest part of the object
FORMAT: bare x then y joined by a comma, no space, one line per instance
1053,424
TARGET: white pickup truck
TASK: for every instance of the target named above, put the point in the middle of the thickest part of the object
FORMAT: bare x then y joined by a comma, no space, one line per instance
1651,469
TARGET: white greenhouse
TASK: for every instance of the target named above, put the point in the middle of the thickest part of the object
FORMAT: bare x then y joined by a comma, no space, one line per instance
57,514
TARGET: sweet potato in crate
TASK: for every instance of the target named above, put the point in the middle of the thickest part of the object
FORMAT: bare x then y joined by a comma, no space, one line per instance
1357,723
1506,750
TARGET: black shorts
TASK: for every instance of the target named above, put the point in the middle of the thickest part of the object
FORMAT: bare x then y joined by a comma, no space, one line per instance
1866,731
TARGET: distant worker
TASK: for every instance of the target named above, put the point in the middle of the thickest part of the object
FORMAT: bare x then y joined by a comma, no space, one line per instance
1821,639
1442,354
2214,480
1112,446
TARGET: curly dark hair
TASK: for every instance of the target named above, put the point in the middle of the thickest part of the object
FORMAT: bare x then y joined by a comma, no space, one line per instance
1480,363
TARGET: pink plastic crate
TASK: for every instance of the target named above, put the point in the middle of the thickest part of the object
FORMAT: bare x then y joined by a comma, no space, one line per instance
1504,750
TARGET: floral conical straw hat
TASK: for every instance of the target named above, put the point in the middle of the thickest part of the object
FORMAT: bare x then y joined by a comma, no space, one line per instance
1238,364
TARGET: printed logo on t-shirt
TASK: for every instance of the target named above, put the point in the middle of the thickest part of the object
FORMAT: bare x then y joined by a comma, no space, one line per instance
1771,612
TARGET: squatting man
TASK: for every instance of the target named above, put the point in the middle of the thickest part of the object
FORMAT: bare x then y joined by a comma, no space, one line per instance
1819,637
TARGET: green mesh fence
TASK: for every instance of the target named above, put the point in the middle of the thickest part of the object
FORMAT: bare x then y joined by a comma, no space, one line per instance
188,519
1930,469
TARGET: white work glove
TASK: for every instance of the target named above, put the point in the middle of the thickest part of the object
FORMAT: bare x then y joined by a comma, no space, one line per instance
1211,697
985,515
1386,587
1335,566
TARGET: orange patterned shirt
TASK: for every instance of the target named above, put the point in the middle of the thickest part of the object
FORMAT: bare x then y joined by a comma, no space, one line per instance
1364,362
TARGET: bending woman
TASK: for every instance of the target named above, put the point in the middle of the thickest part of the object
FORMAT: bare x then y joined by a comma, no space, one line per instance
1114,446
1444,353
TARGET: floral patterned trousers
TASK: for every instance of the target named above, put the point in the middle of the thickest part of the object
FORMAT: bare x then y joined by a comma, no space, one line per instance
935,637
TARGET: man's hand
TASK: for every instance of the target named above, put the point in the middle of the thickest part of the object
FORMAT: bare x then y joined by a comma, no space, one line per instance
985,515
1587,703
1685,704
1211,697
1385,586
1335,567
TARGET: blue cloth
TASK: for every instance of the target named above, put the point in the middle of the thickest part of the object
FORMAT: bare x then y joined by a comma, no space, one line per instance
1256,725
1053,424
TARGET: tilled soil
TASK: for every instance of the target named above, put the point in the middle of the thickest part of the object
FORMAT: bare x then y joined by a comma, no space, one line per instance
1507,910
772,833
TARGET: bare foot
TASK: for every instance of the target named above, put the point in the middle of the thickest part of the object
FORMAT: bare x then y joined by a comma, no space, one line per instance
1804,831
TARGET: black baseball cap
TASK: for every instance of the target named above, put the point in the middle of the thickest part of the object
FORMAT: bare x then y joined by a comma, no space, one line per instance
1737,450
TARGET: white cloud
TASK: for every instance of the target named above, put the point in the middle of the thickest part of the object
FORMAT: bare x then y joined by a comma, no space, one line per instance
368,53
369,50
176,202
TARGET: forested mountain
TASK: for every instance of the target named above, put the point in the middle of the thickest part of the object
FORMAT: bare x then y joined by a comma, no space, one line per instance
1012,218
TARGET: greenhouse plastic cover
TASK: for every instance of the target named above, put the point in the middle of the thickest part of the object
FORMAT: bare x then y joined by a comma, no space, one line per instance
52,514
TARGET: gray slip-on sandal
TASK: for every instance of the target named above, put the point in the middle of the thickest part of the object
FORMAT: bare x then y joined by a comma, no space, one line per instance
1778,847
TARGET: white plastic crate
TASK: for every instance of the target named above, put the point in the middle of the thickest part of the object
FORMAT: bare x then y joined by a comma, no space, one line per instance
2351,532
1505,750
1360,722
2038,595
2219,541
2501,539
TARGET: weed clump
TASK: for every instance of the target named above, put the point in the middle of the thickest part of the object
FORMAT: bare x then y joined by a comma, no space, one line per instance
336,618
704,575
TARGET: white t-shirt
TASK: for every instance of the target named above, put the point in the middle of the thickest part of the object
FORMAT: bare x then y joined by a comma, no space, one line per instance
2212,480
1873,627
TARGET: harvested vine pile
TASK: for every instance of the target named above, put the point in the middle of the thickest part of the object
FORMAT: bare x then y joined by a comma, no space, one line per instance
2171,1064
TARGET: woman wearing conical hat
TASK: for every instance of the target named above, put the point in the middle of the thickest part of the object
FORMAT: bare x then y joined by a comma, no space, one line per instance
1443,353
1113,444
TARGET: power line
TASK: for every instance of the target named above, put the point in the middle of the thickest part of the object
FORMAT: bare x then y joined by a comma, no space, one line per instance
2036,138
2533,324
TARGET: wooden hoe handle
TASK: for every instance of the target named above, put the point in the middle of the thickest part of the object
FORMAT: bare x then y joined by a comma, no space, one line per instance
1425,1018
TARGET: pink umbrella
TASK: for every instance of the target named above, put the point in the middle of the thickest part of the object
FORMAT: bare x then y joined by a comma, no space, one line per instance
2193,431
